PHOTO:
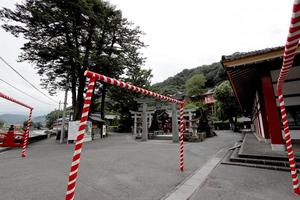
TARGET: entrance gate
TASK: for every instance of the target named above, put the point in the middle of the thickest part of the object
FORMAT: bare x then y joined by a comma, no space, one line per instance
93,77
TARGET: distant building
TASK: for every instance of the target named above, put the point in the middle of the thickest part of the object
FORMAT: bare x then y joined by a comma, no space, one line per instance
206,98
253,76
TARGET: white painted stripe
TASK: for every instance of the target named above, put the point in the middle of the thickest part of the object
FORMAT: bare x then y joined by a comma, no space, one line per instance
84,114
75,162
295,179
78,151
284,115
293,172
288,60
73,172
80,141
89,91
295,25
70,191
72,181
296,14
292,165
293,34
292,42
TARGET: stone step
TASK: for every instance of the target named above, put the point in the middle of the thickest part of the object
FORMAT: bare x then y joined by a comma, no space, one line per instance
235,157
162,137
241,154
232,158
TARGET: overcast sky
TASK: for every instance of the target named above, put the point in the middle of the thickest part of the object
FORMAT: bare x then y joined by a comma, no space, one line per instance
180,34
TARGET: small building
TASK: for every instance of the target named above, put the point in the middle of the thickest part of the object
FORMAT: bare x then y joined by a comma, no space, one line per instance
206,98
253,77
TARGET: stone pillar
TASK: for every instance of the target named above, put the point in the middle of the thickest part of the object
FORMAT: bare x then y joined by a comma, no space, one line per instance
135,124
144,123
174,124
190,120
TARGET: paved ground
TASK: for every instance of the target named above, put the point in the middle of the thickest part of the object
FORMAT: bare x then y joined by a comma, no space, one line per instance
243,183
117,167
252,146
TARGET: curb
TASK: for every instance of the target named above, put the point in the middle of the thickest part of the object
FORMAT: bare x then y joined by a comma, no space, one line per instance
191,184
4,149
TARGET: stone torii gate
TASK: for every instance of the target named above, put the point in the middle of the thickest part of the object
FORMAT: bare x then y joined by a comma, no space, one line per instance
146,116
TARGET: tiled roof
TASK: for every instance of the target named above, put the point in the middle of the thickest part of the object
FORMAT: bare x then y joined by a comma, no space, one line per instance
239,55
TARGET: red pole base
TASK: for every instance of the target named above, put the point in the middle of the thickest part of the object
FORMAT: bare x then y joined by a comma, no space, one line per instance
23,155
181,169
297,191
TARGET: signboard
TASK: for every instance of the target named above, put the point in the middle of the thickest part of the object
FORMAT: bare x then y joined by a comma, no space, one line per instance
104,130
73,131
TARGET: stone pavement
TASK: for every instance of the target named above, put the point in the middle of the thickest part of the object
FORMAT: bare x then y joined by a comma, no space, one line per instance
116,167
251,146
242,183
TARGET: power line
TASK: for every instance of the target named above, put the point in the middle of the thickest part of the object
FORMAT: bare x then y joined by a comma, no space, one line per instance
26,79
25,93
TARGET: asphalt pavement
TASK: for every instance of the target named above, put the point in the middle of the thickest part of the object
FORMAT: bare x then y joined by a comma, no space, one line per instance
228,182
117,167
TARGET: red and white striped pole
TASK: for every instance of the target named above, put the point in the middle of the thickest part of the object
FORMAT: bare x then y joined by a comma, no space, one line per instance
133,88
78,146
2,95
79,140
25,142
181,162
288,59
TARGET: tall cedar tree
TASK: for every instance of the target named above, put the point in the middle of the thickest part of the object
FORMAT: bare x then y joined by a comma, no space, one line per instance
65,37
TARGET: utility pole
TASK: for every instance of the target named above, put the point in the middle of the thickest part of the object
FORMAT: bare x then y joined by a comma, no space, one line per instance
64,116
58,116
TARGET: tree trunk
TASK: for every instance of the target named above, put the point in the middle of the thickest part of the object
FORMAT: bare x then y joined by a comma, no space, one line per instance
73,90
79,103
104,89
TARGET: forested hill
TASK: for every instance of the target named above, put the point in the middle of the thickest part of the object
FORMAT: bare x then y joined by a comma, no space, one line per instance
214,74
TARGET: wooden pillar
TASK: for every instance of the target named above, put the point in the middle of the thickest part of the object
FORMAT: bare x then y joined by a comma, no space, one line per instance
175,136
271,115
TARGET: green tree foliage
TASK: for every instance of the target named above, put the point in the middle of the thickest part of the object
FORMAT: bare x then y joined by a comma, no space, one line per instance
195,85
123,100
52,117
64,38
214,74
1,123
227,107
38,125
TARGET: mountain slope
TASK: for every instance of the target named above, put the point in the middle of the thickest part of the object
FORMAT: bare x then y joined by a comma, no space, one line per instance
19,119
214,74
13,119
